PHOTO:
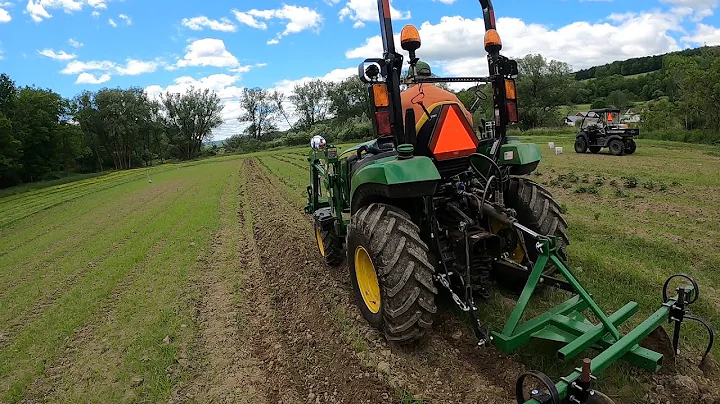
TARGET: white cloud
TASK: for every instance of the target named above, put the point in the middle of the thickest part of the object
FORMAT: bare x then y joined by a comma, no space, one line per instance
249,20
4,15
132,67
112,23
700,9
96,14
299,19
77,66
128,20
456,44
362,11
62,55
74,43
704,35
200,22
453,1
38,9
136,67
87,78
208,52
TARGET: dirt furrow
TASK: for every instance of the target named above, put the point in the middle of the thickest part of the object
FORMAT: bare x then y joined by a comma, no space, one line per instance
447,368
225,369
303,350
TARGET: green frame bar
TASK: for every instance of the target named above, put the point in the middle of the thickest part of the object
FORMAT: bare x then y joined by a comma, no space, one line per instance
565,324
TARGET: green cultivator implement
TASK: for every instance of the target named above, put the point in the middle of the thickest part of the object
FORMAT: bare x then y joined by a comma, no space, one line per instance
432,204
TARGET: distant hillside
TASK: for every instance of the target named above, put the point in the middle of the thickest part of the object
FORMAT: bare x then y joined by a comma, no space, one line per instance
635,66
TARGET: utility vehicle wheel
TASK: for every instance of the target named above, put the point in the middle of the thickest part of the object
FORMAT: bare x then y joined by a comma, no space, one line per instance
595,149
390,272
538,210
329,245
630,146
580,145
617,148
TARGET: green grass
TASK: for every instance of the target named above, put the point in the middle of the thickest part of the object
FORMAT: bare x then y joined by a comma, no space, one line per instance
96,273
110,275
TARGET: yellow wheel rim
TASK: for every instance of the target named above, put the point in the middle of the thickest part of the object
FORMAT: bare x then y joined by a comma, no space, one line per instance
367,280
318,235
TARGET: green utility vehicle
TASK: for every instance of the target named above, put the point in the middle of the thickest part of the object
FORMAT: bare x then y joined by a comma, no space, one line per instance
432,206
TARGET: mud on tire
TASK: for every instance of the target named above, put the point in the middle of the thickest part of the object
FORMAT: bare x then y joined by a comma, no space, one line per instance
538,210
400,260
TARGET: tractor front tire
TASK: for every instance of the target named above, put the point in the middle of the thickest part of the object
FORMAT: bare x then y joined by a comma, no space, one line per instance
538,210
580,145
390,272
617,147
329,245
630,147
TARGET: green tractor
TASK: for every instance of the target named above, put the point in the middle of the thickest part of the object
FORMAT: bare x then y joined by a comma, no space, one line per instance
436,207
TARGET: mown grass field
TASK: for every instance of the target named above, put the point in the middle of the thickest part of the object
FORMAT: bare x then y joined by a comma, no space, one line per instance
98,278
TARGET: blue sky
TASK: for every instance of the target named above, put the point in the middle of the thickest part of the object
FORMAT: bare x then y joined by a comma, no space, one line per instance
74,45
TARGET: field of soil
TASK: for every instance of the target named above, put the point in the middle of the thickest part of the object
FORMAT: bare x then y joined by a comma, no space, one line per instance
201,282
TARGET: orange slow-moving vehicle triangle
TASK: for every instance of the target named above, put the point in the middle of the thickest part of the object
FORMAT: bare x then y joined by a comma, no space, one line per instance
453,135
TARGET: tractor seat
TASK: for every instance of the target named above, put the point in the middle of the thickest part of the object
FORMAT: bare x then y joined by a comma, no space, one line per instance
446,137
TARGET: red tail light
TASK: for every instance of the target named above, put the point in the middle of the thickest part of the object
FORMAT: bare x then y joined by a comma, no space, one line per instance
512,112
382,120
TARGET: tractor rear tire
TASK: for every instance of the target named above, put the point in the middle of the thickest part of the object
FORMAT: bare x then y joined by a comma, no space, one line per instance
538,210
390,272
581,145
617,148
329,245
630,147
595,149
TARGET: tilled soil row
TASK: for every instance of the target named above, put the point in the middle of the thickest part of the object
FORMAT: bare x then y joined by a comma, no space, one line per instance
447,368
223,366
305,356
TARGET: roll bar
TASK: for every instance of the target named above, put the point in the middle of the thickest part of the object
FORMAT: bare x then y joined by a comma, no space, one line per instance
391,66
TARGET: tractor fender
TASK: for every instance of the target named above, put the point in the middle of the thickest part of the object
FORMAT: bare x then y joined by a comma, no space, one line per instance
583,135
390,178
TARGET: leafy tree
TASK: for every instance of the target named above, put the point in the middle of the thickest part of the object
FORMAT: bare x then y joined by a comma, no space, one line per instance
619,99
191,117
35,124
260,111
541,87
10,165
8,93
311,101
349,98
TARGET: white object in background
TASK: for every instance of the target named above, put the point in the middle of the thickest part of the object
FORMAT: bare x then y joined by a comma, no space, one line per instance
551,145
558,150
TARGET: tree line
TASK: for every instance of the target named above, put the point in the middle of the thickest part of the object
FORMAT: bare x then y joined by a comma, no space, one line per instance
44,136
